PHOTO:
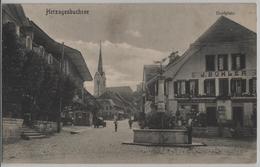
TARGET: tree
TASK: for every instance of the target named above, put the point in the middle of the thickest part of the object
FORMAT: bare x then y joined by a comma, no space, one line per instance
13,61
30,84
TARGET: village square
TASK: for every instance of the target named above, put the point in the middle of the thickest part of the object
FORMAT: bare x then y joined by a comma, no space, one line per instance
197,105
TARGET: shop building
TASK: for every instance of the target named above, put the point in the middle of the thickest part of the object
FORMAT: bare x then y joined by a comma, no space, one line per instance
215,76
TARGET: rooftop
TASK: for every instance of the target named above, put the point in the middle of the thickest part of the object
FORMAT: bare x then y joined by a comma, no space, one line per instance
72,54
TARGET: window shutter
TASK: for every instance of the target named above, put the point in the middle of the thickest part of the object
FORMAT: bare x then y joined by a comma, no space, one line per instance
243,85
213,88
251,86
232,86
187,87
242,61
196,87
233,62
175,88
205,86
225,62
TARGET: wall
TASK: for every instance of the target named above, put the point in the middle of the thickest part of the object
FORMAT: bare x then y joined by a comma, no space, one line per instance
11,129
196,63
46,126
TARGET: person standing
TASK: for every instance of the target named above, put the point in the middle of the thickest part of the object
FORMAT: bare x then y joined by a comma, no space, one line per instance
130,122
115,122
189,128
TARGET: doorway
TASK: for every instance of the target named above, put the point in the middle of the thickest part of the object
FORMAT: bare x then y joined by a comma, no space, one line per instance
211,116
237,116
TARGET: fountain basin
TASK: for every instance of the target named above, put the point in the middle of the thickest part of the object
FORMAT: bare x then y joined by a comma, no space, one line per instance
161,136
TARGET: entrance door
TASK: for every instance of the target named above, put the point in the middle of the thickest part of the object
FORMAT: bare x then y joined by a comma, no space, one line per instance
237,115
211,116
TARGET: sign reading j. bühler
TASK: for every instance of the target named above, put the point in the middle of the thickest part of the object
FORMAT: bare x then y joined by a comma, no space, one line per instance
224,74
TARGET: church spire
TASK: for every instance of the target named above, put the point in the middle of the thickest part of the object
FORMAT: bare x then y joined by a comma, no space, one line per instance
100,64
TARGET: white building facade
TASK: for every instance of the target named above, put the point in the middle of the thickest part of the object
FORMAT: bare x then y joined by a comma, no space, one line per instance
216,76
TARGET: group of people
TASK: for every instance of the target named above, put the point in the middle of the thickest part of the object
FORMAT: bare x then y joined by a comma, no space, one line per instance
130,123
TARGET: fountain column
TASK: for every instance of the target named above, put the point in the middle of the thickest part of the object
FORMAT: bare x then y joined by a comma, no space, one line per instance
161,96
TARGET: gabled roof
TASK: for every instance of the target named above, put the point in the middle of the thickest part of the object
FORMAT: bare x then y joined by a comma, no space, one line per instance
75,56
150,71
119,100
16,12
225,30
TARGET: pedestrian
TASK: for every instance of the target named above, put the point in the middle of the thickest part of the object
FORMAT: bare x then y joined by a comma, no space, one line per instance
115,122
189,128
130,122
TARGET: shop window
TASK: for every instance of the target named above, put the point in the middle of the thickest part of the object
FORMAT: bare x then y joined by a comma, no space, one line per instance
238,87
238,61
252,86
222,62
193,87
223,87
209,87
210,62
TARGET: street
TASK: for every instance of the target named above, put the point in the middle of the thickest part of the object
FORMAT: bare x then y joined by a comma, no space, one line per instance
103,145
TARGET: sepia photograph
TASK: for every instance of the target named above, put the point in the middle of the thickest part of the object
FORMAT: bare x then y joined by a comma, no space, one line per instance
129,83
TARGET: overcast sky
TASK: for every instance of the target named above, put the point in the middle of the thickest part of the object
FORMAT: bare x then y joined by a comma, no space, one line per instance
133,34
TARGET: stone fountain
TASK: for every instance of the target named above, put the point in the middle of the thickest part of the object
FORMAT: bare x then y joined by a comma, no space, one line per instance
161,137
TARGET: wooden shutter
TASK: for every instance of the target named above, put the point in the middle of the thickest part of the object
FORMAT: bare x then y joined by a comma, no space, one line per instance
187,87
196,87
232,86
242,61
205,86
225,62
234,62
175,87
243,85
251,86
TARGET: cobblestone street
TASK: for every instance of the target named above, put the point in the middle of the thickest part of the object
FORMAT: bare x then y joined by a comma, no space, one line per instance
103,145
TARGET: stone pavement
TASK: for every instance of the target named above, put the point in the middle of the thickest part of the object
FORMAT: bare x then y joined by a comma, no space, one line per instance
103,145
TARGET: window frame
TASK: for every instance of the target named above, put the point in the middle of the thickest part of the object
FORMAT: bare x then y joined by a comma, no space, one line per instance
214,86
225,91
212,67
242,63
225,62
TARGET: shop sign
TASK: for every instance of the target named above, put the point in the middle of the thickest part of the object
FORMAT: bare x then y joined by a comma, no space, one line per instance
221,74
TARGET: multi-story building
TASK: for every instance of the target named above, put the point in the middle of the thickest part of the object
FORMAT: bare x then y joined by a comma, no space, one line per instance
215,76
34,38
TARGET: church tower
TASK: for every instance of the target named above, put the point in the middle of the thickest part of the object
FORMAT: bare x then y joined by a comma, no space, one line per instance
99,78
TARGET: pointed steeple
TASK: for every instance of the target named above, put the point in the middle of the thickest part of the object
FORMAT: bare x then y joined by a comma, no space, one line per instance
100,63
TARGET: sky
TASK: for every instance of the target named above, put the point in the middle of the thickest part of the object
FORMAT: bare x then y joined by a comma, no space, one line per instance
133,35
